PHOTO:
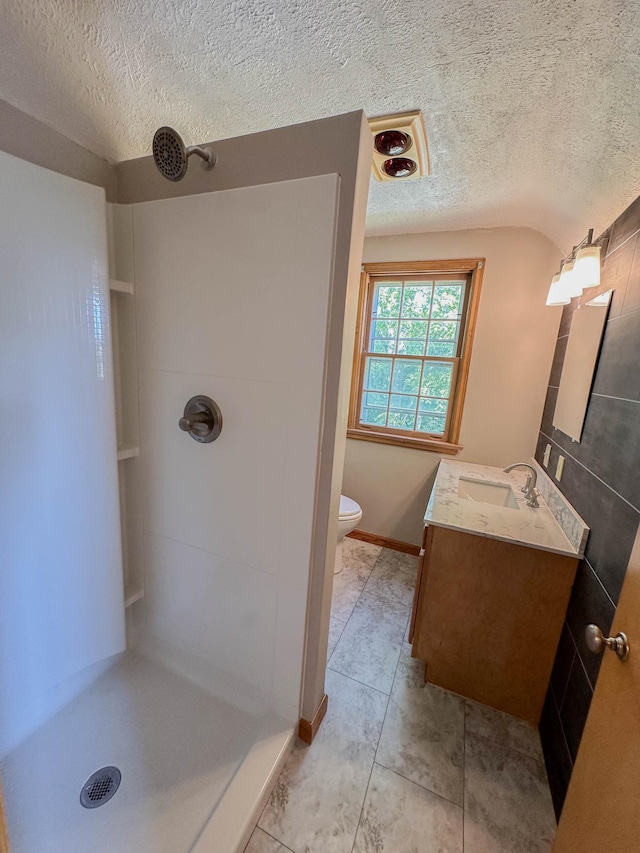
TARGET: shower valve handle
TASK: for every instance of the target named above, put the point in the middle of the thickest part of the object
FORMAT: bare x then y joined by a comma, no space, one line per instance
202,419
187,424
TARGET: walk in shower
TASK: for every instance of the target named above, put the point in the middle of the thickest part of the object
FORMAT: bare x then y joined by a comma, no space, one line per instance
161,596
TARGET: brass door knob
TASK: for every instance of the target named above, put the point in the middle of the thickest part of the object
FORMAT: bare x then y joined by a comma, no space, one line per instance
597,642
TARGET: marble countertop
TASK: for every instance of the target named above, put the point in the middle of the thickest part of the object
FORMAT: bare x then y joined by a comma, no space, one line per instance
535,528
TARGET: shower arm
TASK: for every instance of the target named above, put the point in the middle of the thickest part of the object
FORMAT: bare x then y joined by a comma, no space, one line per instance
205,154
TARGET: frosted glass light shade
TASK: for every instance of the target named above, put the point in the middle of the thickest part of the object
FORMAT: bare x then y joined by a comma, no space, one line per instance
586,272
569,287
601,299
555,295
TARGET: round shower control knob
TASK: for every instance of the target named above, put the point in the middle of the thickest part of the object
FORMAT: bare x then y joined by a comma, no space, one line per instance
202,419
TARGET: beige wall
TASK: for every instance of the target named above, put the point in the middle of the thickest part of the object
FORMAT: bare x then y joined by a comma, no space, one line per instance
37,143
510,364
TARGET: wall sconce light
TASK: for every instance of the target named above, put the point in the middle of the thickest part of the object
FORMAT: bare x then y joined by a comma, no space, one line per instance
556,295
586,271
568,283
579,270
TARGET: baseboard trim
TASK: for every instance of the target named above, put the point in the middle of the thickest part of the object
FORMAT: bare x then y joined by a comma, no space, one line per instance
385,542
308,730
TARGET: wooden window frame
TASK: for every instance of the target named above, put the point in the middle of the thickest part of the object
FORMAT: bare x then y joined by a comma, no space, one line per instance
473,270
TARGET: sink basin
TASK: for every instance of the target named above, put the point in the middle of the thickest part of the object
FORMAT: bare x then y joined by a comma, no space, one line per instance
481,491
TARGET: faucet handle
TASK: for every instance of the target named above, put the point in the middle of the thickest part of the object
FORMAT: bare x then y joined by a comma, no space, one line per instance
527,486
532,498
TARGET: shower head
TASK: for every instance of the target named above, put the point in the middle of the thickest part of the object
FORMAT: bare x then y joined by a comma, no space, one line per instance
171,156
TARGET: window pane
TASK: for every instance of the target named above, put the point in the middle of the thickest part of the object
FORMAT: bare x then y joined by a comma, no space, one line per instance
441,350
383,335
374,416
415,329
377,374
431,423
399,420
410,348
447,300
417,300
386,300
436,380
388,346
412,337
443,330
406,376
375,399
404,403
384,329
433,405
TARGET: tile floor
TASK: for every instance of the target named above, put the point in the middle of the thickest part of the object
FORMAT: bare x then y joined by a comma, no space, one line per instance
400,766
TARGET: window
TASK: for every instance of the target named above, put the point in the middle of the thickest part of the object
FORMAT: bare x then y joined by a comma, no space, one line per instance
412,353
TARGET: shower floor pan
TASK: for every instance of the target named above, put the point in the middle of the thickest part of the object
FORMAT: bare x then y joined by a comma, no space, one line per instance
178,749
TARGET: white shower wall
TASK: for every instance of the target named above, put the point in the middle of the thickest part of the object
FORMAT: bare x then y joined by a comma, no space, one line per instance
60,565
232,299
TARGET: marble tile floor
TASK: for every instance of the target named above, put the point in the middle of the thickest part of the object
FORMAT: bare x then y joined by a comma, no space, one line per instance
400,766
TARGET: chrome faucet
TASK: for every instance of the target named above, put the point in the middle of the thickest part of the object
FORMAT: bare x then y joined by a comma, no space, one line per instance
529,488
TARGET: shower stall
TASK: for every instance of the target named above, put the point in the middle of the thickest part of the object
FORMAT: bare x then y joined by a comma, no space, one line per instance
164,599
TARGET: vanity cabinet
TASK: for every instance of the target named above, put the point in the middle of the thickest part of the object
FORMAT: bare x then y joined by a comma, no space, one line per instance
487,616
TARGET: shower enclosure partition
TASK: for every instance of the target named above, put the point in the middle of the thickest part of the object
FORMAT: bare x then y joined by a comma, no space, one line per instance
60,564
237,294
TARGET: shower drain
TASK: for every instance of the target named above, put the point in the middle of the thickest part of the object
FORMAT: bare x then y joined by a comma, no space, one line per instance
100,787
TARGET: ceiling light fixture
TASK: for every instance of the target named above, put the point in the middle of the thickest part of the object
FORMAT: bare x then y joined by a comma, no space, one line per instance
579,270
399,147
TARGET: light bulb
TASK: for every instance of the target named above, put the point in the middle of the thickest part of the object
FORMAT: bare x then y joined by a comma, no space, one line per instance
392,142
555,295
399,167
586,272
568,285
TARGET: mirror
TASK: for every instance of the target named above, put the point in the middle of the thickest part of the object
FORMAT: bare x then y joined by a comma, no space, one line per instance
578,370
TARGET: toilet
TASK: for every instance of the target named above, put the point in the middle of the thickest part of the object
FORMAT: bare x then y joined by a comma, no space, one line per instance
348,520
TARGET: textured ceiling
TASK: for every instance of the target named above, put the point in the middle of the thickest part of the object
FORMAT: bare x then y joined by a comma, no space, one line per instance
531,106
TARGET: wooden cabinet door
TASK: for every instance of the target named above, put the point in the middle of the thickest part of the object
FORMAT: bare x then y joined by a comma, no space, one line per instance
423,568
416,595
602,809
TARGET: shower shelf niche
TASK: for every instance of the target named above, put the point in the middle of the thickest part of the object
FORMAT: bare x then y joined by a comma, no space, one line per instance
127,451
125,373
132,594
117,286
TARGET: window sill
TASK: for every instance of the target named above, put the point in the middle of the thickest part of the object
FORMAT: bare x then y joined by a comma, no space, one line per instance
430,444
